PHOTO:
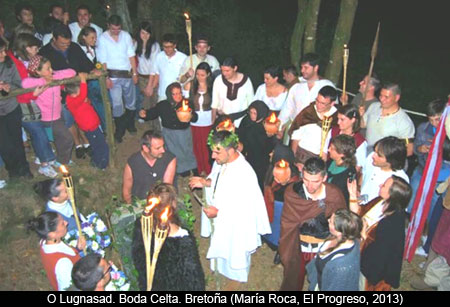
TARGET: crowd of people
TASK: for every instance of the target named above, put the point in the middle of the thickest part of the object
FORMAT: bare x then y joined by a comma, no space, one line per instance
337,216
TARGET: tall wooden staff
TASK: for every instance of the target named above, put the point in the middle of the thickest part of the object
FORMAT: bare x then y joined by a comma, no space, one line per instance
189,33
373,54
345,62
68,182
161,232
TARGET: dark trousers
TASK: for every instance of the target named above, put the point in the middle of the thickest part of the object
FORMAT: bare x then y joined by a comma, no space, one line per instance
62,138
11,144
100,150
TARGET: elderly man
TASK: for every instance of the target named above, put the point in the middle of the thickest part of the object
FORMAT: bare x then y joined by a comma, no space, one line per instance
304,222
148,166
116,52
387,118
236,208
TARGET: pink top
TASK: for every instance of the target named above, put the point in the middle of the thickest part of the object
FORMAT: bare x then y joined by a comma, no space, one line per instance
50,100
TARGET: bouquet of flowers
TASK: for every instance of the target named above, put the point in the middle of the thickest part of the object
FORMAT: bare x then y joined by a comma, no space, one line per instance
119,282
94,232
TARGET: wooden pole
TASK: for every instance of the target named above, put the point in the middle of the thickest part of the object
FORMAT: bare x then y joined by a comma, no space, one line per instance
345,62
109,121
373,54
21,91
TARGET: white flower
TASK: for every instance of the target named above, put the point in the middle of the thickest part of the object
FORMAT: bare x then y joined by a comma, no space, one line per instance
94,246
89,231
73,243
100,226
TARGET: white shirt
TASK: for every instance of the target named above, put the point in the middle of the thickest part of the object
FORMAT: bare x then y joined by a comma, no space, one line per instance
146,66
241,219
361,154
373,177
90,54
274,103
63,268
220,101
116,55
299,97
46,38
210,59
168,70
64,209
377,127
310,135
75,29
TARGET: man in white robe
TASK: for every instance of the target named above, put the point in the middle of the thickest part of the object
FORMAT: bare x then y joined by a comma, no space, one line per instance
236,207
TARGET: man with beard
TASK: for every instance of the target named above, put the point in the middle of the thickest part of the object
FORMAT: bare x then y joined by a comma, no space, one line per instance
236,208
148,166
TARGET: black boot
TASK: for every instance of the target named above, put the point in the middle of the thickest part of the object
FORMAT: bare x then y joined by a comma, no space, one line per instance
130,119
277,258
120,128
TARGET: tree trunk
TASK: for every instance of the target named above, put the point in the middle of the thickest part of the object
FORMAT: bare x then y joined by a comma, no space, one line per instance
144,10
120,7
297,34
341,37
311,26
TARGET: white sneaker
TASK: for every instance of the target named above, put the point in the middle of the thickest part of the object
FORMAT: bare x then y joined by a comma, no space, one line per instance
37,161
48,171
421,252
2,184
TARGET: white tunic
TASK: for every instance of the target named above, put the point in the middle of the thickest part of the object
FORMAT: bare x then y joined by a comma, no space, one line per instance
168,70
116,54
221,102
374,176
210,59
241,219
299,97
274,103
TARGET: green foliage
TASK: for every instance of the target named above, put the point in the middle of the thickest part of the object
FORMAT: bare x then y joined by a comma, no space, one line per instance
186,214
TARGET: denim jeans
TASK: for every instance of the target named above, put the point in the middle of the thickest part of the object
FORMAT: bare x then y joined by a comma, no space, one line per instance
39,140
95,96
434,221
123,90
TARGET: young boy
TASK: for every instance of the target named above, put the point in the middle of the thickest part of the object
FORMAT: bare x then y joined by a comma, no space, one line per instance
88,121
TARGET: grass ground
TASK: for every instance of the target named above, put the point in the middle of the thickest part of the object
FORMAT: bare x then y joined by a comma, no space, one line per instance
20,264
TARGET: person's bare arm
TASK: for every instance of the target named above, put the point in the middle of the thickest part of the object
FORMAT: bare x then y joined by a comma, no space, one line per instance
169,175
127,184
134,69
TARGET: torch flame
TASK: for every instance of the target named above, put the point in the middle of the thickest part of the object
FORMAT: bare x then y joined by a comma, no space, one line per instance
165,215
272,118
186,15
151,204
64,169
283,163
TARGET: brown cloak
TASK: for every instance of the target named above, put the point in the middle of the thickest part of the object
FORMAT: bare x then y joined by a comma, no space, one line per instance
296,211
309,116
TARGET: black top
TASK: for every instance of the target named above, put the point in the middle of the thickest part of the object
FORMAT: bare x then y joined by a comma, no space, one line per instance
146,176
340,179
74,58
178,267
382,259
168,114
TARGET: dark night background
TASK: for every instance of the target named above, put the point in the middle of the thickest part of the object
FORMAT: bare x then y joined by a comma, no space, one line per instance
414,44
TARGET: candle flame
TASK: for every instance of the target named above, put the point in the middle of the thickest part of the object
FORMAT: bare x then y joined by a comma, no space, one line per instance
227,123
64,169
283,163
185,106
165,215
272,118
186,15
151,204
